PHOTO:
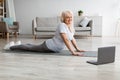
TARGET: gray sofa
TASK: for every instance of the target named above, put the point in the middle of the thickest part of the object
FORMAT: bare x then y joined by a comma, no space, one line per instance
48,25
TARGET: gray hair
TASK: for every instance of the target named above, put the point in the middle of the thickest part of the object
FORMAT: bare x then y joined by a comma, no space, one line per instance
64,14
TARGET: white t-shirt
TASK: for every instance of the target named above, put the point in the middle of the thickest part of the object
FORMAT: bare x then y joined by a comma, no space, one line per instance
56,43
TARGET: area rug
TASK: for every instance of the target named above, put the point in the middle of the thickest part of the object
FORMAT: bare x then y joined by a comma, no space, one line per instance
62,53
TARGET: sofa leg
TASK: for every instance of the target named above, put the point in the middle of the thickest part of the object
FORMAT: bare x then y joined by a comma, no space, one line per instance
16,34
8,34
34,36
3,35
90,33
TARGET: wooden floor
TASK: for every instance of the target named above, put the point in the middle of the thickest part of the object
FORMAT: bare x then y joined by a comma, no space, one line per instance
15,66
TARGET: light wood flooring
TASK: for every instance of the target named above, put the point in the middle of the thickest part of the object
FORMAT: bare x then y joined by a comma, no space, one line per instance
14,66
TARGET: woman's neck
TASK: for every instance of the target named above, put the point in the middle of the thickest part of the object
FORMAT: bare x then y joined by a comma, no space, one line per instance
68,25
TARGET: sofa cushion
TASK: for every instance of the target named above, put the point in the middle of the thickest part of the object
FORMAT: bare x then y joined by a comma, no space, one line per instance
13,27
44,29
47,21
82,28
84,22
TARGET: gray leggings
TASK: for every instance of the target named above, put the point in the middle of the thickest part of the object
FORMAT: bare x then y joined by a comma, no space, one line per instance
31,47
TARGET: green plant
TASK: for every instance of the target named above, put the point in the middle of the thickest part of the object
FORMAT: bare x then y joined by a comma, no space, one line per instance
80,12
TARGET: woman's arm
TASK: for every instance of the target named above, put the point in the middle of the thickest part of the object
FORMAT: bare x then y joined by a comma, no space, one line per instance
75,45
69,45
67,42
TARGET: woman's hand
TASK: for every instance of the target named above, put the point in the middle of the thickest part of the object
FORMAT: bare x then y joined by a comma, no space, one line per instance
79,50
77,54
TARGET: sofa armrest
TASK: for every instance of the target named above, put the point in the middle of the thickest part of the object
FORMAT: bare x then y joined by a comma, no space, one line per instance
4,27
34,26
90,24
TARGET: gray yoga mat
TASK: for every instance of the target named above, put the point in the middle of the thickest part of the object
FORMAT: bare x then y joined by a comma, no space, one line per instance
62,53
86,53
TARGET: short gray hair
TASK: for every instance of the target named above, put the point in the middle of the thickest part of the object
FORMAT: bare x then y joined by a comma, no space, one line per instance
64,14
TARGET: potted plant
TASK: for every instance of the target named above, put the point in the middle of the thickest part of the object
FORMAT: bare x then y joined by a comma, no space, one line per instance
80,12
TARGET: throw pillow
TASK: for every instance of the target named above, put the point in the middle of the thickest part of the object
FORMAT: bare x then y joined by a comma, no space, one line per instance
9,21
84,22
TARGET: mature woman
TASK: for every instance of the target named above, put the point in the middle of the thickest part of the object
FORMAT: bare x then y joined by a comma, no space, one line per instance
64,36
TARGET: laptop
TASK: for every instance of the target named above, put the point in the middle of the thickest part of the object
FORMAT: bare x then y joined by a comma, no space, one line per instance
105,55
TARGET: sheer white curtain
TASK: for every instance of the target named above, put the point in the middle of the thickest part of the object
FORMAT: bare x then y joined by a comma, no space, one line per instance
10,10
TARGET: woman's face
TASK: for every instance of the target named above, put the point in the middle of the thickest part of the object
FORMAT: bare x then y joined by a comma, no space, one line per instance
68,19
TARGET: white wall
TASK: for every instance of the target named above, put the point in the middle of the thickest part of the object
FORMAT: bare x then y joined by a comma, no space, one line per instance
26,10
